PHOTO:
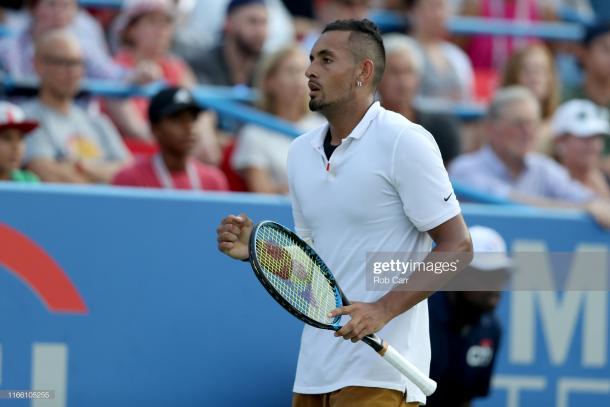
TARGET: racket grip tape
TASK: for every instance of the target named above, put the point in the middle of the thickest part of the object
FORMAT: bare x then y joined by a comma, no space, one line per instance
391,355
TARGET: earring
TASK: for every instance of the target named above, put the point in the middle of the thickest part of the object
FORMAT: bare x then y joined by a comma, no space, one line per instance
359,83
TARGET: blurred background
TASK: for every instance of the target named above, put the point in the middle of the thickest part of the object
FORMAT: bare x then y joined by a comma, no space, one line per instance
112,291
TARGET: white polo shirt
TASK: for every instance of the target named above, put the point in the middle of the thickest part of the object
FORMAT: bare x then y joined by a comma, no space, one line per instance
382,189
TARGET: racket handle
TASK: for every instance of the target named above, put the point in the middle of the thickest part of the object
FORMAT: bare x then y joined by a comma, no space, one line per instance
391,355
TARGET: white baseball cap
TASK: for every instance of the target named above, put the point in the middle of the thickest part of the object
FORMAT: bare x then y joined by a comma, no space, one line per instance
580,118
131,9
12,117
489,249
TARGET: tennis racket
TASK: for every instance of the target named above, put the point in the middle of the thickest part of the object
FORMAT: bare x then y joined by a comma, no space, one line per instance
299,280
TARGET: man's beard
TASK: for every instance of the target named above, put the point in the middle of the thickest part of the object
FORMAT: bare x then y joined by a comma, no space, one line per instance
322,106
63,93
246,48
316,106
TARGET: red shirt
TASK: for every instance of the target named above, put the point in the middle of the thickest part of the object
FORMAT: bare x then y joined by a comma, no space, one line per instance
173,70
142,174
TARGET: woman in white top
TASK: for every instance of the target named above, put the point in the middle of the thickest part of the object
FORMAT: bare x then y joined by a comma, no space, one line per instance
260,154
447,74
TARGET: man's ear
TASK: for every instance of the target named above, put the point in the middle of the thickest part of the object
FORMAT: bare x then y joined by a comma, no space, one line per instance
228,25
559,146
489,129
367,71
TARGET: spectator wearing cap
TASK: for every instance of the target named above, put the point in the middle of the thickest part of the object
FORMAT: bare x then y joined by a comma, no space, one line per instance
234,59
144,30
70,144
173,113
17,51
201,24
13,129
595,58
17,54
508,168
399,87
579,127
465,332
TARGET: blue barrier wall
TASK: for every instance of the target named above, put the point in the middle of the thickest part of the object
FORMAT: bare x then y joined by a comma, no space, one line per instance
156,326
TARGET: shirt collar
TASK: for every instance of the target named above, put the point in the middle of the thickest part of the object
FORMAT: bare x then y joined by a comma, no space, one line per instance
318,141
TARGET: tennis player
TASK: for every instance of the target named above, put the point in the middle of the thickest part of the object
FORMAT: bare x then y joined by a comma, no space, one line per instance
368,181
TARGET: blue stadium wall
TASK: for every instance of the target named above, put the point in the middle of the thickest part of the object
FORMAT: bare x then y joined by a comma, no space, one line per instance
119,298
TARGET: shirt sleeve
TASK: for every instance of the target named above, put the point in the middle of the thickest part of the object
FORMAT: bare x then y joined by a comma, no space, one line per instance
11,55
199,65
250,150
213,179
421,180
112,143
101,66
38,145
561,186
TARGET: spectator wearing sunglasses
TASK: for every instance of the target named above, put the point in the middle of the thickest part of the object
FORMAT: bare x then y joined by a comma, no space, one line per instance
71,144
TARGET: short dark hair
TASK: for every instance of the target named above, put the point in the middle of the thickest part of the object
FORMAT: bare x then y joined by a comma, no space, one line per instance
410,4
235,4
31,3
366,42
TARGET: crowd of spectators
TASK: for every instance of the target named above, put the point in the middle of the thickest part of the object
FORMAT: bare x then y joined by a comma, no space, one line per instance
542,141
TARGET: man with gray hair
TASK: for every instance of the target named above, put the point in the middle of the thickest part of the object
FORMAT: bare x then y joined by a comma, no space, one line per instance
508,168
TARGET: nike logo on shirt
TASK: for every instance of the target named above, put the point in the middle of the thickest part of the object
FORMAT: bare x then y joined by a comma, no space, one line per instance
446,199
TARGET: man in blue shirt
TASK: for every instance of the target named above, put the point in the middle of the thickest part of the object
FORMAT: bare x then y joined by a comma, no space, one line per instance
507,167
464,330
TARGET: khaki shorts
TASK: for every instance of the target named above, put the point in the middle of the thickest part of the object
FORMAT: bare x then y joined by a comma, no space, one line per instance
353,396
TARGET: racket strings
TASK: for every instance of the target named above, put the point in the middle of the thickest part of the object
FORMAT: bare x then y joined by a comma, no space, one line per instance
293,273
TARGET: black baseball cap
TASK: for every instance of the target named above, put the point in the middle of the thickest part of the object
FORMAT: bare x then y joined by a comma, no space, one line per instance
170,101
594,31
235,4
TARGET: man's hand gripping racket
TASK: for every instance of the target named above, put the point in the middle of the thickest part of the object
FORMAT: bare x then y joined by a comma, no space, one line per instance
297,278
